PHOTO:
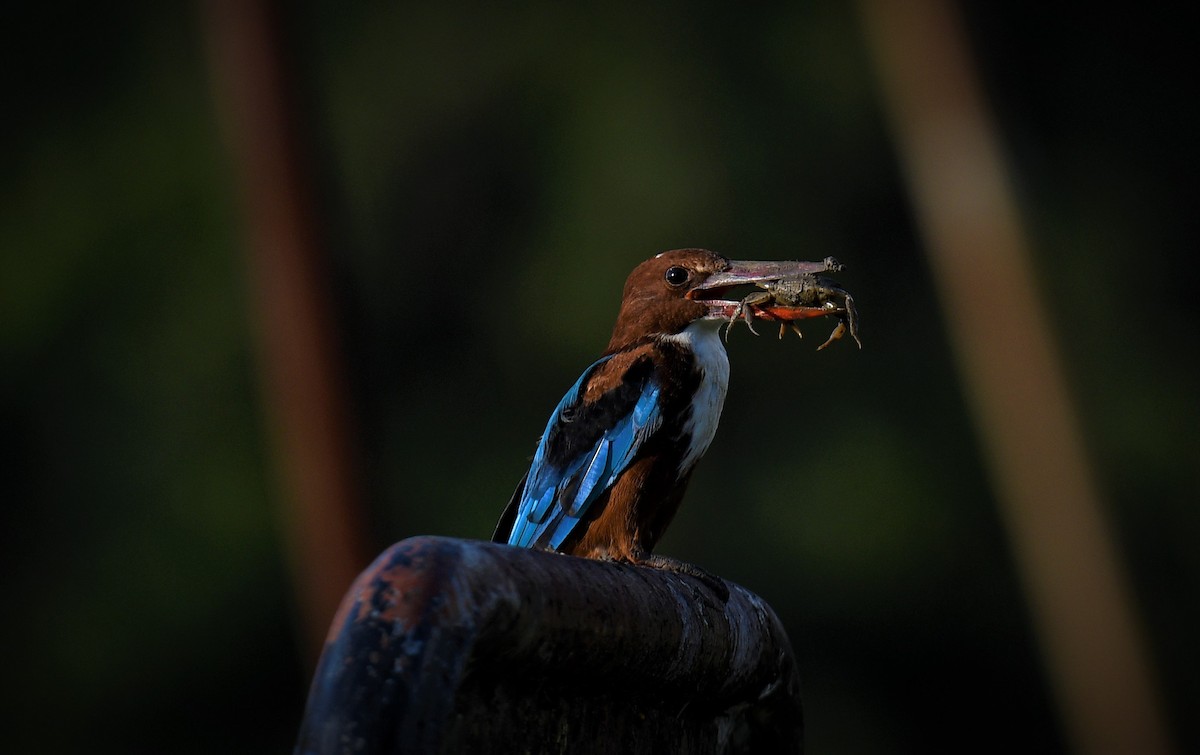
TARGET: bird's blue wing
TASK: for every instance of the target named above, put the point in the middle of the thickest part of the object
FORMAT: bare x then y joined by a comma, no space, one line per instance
582,452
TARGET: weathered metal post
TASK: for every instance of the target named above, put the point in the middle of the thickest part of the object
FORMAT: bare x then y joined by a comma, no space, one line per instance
447,646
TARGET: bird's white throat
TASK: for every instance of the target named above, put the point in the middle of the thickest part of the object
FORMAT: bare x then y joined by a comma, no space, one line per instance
703,338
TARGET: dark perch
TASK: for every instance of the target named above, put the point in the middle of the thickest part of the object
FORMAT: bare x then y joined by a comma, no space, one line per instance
454,646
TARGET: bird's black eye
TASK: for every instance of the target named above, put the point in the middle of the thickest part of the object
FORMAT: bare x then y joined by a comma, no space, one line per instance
677,276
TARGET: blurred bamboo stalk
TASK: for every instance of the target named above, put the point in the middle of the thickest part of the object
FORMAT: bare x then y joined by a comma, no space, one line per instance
1087,625
299,358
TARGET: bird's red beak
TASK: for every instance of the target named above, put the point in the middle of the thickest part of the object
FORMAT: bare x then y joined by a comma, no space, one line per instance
716,290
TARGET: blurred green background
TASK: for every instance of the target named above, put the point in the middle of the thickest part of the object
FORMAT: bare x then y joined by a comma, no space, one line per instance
486,178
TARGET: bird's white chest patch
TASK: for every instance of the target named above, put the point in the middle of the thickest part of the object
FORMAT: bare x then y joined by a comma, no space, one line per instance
703,339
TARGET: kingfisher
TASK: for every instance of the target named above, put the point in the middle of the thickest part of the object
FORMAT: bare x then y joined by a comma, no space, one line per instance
612,465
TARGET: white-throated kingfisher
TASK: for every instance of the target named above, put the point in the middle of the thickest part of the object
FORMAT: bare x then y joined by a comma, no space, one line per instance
612,465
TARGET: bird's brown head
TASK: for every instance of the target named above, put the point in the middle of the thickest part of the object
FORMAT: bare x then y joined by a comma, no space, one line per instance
666,294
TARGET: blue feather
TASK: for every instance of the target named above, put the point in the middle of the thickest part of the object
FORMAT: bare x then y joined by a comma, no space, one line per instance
596,471
556,498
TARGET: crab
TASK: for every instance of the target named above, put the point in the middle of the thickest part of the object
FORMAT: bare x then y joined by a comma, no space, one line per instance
811,293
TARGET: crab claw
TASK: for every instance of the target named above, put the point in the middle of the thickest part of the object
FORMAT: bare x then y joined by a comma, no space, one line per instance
837,333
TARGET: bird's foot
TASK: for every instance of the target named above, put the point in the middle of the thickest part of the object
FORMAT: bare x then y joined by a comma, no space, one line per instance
666,563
